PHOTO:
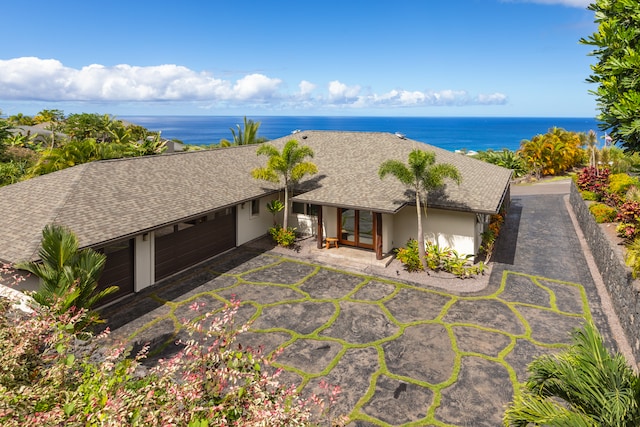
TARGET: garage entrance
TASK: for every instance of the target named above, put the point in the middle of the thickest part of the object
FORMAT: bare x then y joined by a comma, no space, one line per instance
118,269
187,243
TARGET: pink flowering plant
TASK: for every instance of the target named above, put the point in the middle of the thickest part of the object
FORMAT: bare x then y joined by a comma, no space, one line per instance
49,376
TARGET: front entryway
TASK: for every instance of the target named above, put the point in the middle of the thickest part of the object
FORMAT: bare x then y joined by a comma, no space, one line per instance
356,228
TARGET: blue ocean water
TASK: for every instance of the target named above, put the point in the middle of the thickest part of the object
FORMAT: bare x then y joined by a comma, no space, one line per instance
449,133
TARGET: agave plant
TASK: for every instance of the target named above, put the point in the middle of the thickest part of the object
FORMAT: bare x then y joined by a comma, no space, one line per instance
66,272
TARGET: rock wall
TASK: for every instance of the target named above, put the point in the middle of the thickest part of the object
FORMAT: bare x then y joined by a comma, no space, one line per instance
622,288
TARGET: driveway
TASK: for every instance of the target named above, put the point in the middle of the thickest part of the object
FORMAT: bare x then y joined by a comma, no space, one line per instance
406,350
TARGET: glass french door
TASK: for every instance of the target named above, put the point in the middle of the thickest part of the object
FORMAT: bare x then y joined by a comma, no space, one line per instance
356,228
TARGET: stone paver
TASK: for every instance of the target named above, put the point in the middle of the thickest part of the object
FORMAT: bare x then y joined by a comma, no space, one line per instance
402,353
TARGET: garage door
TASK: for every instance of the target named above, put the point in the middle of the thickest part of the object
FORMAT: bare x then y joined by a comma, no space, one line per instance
187,243
118,270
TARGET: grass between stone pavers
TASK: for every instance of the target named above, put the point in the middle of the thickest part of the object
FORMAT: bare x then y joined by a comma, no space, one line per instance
381,305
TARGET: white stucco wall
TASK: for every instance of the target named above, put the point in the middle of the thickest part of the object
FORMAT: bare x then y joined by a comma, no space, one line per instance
304,224
388,227
144,259
330,219
249,226
452,229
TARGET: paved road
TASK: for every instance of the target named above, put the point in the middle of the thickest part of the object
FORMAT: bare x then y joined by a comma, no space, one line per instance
402,352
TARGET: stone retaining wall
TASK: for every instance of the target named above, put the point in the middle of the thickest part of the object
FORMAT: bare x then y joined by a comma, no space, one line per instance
622,288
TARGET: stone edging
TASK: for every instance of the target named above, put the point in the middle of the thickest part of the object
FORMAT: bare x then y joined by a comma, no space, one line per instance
623,290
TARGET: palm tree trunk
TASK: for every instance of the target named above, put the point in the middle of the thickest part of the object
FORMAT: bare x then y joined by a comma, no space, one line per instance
285,221
421,246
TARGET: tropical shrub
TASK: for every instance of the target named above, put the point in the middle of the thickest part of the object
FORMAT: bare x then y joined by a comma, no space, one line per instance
50,378
620,183
584,385
68,276
632,257
490,235
589,195
435,256
438,259
593,179
409,256
628,216
552,153
603,213
282,237
274,207
457,264
505,158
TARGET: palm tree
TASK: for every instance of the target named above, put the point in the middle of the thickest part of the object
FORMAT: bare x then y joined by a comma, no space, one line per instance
246,137
66,272
582,386
420,174
289,165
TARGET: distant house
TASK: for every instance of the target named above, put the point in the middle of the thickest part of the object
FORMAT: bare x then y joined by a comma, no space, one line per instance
154,216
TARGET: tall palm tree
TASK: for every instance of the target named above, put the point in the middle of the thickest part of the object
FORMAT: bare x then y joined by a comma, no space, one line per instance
67,272
289,165
592,147
420,174
582,386
244,137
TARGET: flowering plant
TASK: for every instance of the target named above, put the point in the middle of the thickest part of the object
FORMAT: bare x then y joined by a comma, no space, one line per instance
51,377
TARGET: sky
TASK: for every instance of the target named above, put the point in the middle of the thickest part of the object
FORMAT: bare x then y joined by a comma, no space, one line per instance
485,58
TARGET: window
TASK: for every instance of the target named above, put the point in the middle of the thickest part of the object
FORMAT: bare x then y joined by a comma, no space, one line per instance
304,209
298,208
255,207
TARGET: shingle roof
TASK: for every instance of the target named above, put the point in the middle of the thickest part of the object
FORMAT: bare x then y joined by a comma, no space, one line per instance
348,165
107,200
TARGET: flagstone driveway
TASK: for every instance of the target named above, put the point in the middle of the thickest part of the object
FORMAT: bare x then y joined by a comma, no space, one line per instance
403,353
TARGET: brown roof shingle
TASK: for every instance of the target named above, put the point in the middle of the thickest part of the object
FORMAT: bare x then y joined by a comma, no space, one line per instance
348,165
113,199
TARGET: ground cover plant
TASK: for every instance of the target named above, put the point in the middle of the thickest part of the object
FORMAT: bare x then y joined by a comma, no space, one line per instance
49,376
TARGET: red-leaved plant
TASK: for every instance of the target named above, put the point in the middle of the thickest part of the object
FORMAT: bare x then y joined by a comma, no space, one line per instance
594,180
629,218
51,377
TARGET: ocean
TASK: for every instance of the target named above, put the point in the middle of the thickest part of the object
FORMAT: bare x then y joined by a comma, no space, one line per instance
449,133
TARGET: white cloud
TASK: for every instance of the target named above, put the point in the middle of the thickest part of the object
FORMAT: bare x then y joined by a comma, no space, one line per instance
306,88
255,86
35,79
341,93
403,98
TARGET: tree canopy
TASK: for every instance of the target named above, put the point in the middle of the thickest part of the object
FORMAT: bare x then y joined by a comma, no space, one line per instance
420,174
616,45
290,165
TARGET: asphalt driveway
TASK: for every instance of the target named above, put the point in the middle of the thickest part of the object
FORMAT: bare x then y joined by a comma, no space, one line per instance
403,352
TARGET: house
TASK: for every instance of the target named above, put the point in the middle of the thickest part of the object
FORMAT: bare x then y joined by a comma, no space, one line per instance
157,215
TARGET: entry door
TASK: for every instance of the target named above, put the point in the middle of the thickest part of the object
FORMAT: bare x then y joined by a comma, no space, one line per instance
356,228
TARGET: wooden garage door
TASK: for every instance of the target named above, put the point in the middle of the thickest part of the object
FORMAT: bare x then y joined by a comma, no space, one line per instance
118,270
187,243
